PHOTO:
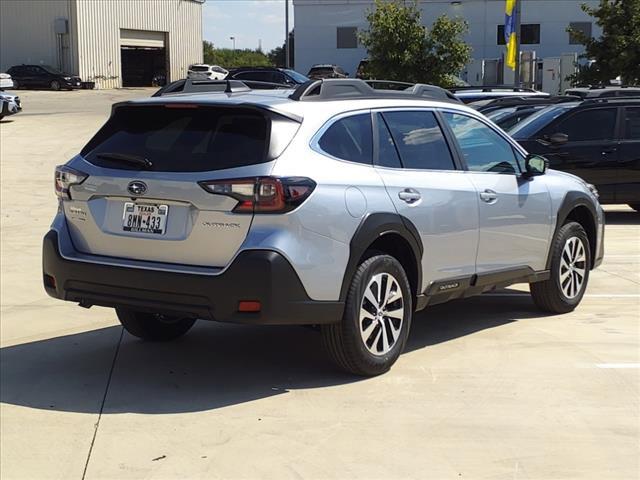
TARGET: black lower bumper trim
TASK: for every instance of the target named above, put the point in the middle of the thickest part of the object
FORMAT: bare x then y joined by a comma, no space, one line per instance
255,275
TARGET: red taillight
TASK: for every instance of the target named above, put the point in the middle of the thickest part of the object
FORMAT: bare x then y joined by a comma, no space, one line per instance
181,105
65,177
263,194
249,306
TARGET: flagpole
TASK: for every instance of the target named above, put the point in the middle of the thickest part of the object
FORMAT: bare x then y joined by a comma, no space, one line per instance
516,76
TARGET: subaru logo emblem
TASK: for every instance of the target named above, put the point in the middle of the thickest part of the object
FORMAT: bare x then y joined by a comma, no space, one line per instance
137,188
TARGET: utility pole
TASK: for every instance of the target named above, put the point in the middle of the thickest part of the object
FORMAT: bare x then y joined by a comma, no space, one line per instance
516,76
287,61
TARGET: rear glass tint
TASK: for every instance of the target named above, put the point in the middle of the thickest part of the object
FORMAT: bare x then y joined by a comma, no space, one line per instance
199,68
182,139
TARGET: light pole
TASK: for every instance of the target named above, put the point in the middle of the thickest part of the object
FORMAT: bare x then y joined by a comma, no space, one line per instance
287,61
233,39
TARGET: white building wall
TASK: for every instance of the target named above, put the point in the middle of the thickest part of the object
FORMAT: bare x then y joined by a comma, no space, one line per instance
100,22
27,33
316,22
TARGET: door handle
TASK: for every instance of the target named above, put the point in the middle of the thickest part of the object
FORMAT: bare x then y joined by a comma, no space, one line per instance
609,150
489,196
409,195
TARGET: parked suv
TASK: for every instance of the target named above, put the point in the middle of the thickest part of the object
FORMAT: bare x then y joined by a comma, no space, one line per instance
202,71
597,140
336,205
268,75
42,76
326,71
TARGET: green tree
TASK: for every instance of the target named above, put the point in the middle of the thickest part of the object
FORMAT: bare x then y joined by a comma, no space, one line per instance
401,48
617,51
229,58
277,55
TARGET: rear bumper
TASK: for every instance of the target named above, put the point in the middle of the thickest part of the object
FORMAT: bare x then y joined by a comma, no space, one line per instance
255,275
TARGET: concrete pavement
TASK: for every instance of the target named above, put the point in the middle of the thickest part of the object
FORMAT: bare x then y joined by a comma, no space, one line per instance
489,387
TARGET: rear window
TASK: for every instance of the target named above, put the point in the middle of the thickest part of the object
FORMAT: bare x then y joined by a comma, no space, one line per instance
199,68
182,139
321,71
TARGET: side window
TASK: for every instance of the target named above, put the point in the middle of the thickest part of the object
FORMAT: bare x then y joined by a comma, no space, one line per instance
483,149
350,138
387,153
419,140
594,124
632,123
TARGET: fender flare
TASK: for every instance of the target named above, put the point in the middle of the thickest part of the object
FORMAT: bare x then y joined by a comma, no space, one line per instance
372,227
571,201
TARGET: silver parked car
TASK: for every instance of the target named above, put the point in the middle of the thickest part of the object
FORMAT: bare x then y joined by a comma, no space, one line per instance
335,205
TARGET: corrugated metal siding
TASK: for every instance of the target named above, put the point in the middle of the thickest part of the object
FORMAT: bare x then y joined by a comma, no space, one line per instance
99,24
27,33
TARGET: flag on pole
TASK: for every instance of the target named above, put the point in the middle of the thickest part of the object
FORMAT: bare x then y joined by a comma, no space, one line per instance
510,33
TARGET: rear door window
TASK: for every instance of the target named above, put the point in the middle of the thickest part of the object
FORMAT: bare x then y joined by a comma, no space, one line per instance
588,125
387,153
419,140
349,139
632,123
182,139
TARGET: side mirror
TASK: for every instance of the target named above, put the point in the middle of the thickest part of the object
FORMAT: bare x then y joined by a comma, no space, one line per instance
535,165
558,138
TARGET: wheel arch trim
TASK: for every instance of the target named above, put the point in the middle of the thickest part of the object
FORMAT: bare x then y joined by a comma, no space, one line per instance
572,201
373,227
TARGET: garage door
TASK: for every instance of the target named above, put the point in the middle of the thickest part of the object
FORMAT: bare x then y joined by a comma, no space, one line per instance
144,60
141,38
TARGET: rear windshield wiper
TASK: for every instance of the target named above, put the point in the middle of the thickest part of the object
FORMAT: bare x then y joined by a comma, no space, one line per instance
127,158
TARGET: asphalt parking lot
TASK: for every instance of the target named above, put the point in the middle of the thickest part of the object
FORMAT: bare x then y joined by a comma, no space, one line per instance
489,387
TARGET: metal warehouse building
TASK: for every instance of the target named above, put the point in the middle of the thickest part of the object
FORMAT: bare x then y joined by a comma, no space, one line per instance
115,43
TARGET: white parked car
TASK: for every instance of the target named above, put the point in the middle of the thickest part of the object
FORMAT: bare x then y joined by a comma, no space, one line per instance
5,81
9,104
203,71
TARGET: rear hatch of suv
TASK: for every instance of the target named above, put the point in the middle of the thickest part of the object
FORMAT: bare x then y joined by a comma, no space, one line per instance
158,186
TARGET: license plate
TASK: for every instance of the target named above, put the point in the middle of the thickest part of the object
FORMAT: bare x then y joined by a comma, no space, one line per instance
145,218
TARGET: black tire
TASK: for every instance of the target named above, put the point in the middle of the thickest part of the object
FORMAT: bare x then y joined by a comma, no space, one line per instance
635,206
16,85
54,85
549,295
153,327
343,341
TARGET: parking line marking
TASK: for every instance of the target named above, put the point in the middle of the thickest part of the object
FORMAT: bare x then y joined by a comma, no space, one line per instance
618,365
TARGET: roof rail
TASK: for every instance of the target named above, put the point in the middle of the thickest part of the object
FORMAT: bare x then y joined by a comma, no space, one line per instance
217,86
610,99
352,89
490,88
514,100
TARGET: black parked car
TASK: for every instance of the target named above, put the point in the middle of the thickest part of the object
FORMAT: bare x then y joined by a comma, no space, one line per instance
268,74
42,76
597,140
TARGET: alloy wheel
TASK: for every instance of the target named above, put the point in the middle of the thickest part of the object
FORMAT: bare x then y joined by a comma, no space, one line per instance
381,314
573,264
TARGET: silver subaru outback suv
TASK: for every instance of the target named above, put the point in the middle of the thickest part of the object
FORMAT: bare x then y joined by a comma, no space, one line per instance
334,205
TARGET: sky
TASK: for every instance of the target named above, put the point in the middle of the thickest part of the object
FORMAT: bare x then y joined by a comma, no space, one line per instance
249,21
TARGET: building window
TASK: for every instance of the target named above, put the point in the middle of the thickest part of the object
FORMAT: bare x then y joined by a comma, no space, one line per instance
584,27
529,34
347,37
